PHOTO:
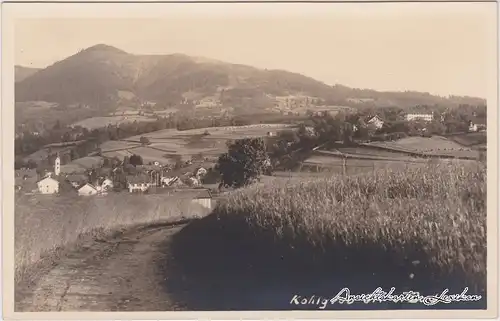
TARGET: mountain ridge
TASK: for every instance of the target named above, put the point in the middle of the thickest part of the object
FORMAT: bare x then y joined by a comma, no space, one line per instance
97,75
23,72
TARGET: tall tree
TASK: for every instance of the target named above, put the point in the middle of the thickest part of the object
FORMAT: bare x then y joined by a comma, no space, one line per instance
244,162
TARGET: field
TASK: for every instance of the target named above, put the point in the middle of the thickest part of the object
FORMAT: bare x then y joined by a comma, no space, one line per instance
373,156
46,224
422,229
99,122
432,146
470,139
169,142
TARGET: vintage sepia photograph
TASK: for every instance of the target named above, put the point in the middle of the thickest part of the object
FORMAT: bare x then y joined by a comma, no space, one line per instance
252,157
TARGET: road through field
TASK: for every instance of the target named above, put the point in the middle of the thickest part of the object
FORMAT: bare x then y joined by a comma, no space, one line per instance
119,274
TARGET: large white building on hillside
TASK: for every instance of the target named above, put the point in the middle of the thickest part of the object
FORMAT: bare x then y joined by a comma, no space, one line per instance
424,117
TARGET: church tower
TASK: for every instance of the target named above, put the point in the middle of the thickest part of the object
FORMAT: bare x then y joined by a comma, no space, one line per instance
57,166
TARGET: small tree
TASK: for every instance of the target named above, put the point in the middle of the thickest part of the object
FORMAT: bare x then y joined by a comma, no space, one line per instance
244,162
144,140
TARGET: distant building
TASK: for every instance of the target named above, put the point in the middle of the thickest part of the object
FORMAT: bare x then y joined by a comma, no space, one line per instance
107,185
204,198
170,181
193,181
87,190
375,121
48,185
200,172
140,183
76,180
424,117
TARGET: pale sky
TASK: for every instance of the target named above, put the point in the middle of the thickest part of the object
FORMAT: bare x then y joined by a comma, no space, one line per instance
440,48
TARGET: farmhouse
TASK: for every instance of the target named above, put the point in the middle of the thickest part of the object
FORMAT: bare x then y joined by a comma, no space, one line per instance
87,189
199,196
106,185
140,183
472,127
204,198
375,121
200,172
424,117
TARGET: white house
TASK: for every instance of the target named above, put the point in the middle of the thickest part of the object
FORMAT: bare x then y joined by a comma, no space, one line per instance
107,185
375,121
200,172
424,117
171,181
138,183
87,189
48,185
193,181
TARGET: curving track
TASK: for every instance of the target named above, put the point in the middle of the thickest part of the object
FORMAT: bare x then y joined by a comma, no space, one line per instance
116,275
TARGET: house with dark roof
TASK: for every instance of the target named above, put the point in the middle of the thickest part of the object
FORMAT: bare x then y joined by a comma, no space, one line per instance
204,198
88,190
199,196
76,180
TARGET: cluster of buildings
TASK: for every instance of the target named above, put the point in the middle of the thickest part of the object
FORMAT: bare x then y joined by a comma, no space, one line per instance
151,178
378,122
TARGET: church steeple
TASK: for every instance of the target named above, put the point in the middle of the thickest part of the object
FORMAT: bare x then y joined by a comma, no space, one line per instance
57,165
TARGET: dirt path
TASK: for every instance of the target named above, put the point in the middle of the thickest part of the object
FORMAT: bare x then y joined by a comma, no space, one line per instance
115,275
139,271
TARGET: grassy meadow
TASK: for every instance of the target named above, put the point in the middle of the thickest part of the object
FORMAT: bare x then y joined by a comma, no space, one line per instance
421,228
45,225
186,143
435,146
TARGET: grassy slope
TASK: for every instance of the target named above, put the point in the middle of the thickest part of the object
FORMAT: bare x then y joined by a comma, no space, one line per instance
379,227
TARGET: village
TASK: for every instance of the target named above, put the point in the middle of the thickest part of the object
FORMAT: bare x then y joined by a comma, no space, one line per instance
126,178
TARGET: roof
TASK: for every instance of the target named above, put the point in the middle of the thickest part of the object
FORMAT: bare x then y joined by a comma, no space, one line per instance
48,178
138,179
370,118
91,186
149,167
204,194
76,177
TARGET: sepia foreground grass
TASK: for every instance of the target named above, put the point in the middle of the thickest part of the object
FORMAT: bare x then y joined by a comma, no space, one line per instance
422,228
46,225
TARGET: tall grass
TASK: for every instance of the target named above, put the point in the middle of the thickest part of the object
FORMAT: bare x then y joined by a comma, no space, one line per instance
46,224
430,218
